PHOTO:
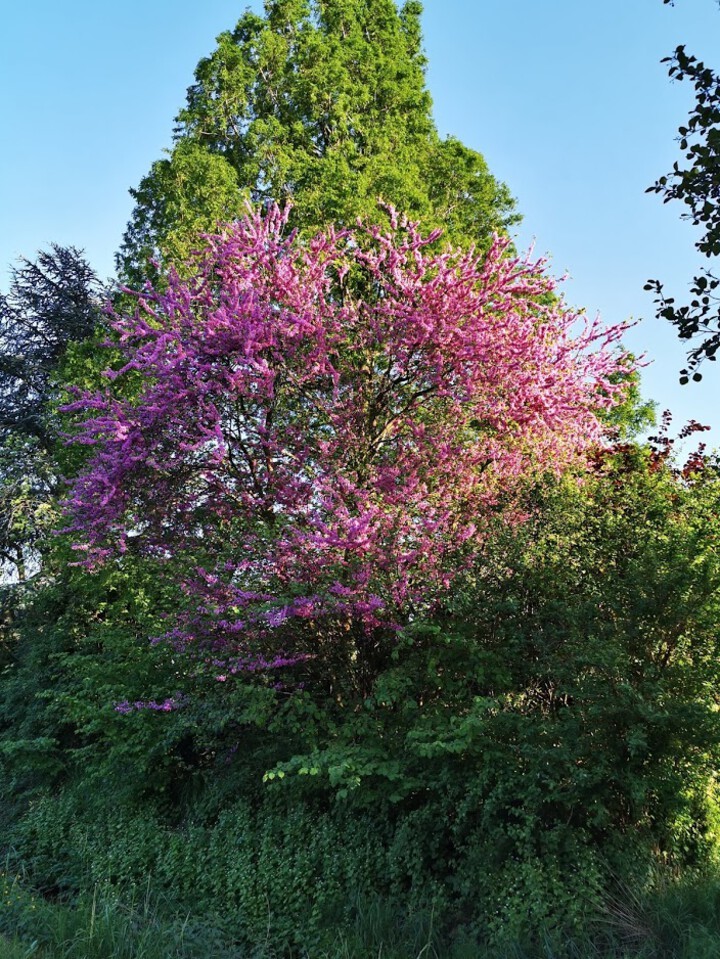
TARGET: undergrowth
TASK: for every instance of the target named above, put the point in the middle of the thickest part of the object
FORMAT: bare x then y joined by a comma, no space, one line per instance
676,920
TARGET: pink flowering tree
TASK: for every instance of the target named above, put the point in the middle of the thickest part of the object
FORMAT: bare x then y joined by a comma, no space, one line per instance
311,436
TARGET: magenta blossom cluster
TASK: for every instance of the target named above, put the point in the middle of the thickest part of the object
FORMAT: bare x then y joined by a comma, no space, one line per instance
166,706
321,428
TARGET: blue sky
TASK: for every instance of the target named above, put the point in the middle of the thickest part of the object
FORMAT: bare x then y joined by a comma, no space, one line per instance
566,99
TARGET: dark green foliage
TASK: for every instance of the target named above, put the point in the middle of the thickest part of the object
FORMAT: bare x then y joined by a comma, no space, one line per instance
597,612
288,876
28,482
322,103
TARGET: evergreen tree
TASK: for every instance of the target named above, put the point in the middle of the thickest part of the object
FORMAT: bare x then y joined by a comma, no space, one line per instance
52,302
322,103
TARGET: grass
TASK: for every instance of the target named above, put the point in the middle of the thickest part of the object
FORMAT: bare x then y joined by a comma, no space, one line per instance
101,926
680,920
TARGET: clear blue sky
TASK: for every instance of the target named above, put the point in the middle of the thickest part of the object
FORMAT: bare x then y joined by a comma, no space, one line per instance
566,99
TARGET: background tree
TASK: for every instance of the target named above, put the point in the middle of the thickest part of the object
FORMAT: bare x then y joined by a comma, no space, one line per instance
696,184
321,102
52,302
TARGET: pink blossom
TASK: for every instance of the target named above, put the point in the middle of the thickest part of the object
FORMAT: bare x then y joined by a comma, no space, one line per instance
329,424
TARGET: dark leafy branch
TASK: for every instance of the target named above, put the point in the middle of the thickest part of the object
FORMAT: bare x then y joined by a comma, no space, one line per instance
696,183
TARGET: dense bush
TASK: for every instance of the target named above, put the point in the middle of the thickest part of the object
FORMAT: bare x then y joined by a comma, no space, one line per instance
550,731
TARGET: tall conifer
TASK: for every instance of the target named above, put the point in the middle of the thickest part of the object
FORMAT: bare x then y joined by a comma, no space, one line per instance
323,103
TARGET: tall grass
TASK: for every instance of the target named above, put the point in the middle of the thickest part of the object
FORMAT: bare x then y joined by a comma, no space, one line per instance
102,925
679,920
